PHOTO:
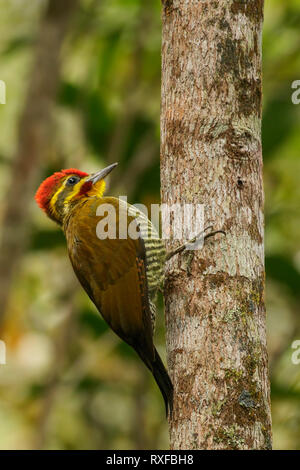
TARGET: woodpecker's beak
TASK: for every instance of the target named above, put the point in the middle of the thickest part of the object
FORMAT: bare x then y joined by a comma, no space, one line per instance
100,175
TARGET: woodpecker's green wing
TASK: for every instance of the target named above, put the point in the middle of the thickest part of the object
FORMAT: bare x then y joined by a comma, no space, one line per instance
112,271
114,274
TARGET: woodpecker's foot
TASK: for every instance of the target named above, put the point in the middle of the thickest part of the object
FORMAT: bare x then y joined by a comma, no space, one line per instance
186,246
212,234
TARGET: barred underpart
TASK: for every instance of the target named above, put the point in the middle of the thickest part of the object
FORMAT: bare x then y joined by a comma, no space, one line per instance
155,256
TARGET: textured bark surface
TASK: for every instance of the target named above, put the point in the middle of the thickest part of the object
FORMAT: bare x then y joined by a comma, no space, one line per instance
211,154
34,138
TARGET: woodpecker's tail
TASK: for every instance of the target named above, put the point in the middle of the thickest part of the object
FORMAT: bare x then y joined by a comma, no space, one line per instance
164,382
156,366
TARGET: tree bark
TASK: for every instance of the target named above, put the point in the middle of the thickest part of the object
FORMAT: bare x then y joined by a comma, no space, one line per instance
211,154
34,140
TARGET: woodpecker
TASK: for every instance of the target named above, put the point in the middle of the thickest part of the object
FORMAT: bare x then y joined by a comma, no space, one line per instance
120,275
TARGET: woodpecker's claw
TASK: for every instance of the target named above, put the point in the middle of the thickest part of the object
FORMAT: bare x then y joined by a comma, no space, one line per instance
212,234
186,245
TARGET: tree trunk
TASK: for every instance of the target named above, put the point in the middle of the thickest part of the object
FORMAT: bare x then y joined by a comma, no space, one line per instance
34,140
211,154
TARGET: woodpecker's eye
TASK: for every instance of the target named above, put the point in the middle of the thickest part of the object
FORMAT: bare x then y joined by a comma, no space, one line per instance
72,180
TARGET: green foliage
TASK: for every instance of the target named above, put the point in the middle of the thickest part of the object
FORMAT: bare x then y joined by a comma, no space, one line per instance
92,323
282,270
46,239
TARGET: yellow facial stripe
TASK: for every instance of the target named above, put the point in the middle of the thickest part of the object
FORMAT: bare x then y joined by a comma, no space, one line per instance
76,190
54,200
97,189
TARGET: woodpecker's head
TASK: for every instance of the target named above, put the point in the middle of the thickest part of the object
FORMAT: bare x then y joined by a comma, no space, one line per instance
58,193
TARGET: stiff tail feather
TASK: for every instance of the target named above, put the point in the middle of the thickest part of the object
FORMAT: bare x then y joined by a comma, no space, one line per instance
159,372
164,382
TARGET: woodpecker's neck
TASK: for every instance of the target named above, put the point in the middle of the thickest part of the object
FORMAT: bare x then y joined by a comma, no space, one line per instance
65,199
60,207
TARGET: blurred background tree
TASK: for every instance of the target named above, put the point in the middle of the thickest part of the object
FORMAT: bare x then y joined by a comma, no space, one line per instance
69,383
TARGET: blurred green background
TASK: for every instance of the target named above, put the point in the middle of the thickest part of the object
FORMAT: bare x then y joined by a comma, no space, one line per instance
70,383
